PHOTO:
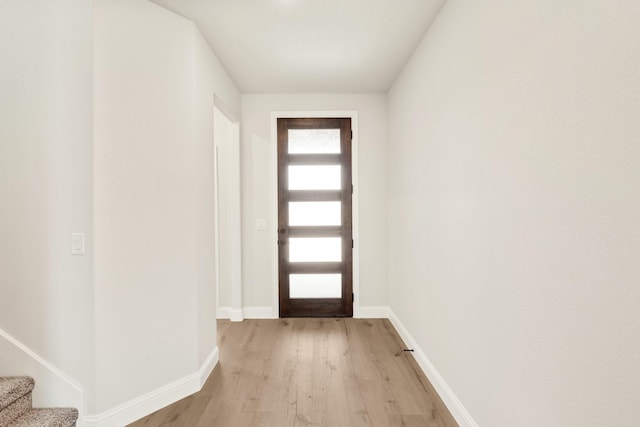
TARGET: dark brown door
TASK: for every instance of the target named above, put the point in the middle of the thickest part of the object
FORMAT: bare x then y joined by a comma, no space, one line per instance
314,217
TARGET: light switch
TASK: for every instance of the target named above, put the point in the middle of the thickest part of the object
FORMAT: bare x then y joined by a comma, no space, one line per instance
261,224
77,243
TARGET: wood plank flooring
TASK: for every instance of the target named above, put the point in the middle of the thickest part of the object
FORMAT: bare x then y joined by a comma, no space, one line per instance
309,372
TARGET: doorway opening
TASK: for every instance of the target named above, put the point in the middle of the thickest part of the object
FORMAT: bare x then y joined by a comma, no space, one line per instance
228,234
315,233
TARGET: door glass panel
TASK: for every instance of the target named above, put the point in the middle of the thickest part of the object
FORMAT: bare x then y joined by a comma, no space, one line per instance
313,141
315,249
315,286
315,213
325,177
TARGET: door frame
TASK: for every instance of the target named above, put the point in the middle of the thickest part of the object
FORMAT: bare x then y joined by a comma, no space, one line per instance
353,115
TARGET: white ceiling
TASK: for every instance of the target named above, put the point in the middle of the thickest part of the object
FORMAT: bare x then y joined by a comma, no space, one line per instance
295,46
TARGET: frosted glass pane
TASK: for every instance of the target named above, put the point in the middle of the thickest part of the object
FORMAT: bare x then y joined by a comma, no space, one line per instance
315,249
326,177
314,141
315,286
315,213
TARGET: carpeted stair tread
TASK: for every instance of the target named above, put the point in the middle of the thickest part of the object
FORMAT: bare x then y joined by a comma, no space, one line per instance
15,398
47,417
15,410
13,388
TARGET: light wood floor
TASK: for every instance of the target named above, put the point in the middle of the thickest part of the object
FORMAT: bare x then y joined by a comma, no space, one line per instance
309,372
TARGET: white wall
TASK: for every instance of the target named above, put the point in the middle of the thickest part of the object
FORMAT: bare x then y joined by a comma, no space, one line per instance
150,314
259,201
514,208
46,294
155,82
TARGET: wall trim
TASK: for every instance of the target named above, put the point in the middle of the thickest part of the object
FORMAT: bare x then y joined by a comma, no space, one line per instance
236,314
228,313
208,366
148,403
459,412
259,313
373,312
223,313
247,313
78,397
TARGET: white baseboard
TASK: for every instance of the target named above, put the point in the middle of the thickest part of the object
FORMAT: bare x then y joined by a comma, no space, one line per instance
259,313
53,387
370,312
235,315
146,404
208,366
246,313
373,312
447,395
223,313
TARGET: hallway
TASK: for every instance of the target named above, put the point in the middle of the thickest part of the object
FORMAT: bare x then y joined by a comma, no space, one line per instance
309,372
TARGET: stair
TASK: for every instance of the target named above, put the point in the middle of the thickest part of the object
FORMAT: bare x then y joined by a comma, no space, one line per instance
16,409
